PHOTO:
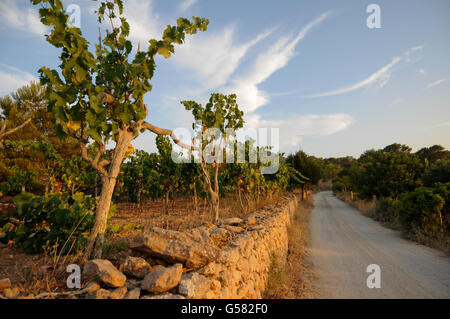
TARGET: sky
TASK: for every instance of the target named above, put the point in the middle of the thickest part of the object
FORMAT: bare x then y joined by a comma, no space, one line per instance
313,69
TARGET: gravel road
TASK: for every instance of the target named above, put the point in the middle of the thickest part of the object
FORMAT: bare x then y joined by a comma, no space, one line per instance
344,243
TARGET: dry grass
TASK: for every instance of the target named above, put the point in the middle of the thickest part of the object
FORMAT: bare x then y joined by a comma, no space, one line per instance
367,207
293,278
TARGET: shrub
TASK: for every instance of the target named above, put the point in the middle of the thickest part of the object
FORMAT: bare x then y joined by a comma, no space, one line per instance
387,211
438,173
421,211
337,187
58,221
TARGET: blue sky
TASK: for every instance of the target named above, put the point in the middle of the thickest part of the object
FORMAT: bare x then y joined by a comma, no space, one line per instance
314,69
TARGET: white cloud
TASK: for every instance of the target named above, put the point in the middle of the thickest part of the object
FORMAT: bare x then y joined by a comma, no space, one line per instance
27,19
422,72
214,56
430,85
11,79
186,4
414,54
144,22
276,57
381,77
294,129
441,124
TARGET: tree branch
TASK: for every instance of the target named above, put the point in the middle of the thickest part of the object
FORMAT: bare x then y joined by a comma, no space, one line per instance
3,134
94,162
106,98
161,131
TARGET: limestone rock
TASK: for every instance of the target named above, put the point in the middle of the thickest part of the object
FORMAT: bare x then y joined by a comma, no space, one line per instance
119,293
164,296
233,221
221,236
5,283
133,294
91,287
193,285
11,292
103,270
233,229
175,247
162,279
133,283
136,267
229,256
211,269
99,294
250,219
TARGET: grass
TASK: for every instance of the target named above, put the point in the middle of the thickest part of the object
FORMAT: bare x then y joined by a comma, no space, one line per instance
292,278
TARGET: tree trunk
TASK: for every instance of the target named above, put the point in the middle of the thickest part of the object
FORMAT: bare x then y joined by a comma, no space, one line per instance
97,236
240,200
47,184
96,185
303,192
215,205
139,200
166,203
195,199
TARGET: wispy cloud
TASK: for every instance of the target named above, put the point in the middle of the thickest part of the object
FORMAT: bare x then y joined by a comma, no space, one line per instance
441,124
294,129
215,56
250,97
22,18
422,72
186,4
12,78
380,77
430,85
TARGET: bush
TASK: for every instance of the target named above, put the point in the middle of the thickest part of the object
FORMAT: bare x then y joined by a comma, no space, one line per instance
438,173
387,211
338,187
420,211
61,222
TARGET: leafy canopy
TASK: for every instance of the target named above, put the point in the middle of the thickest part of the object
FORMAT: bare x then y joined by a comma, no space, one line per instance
96,94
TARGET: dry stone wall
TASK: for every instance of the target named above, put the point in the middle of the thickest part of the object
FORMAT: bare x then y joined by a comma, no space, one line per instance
242,268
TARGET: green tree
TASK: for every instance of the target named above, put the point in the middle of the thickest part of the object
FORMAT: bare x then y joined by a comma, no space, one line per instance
36,147
309,166
437,173
331,171
140,177
421,211
99,96
168,169
214,122
433,153
386,173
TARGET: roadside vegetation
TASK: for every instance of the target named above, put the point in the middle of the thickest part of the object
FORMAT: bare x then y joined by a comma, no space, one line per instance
403,190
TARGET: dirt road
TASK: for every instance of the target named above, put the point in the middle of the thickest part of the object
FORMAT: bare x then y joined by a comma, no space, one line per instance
344,243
